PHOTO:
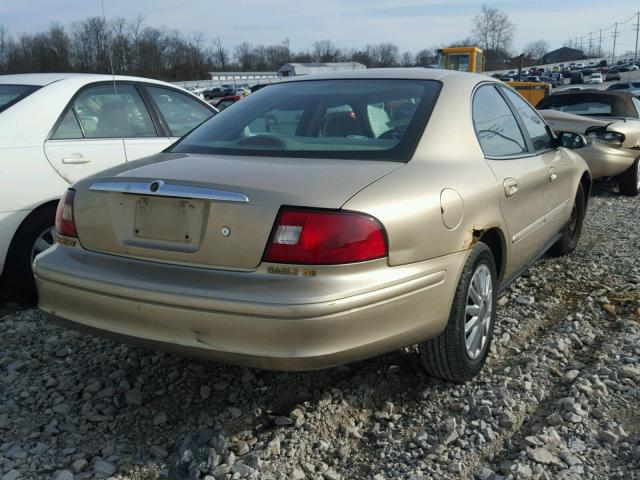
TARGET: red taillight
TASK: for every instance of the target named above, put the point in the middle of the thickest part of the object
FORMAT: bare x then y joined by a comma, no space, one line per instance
65,224
320,237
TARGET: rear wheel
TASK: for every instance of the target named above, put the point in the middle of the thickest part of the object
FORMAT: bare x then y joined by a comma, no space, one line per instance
629,181
459,352
33,237
573,229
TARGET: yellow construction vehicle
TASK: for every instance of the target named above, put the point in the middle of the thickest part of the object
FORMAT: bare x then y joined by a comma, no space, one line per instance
471,59
532,91
462,59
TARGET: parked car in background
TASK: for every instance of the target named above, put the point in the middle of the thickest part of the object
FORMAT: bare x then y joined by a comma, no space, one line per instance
217,92
289,231
595,78
612,75
225,102
611,120
631,87
239,92
553,81
58,128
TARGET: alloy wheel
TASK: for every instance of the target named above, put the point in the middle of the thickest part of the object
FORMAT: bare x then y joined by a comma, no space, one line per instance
44,241
478,311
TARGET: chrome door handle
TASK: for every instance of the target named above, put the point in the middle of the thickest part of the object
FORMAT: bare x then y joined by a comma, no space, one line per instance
510,187
553,175
75,159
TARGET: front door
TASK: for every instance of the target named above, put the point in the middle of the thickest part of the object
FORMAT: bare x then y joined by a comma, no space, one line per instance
557,197
521,174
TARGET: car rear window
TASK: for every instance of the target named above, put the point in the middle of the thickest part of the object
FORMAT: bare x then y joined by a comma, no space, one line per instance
342,119
12,94
580,104
586,108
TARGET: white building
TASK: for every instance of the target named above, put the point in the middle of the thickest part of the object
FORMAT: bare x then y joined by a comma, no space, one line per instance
294,69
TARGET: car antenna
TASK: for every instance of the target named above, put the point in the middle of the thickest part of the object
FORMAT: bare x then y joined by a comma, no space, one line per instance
104,19
113,74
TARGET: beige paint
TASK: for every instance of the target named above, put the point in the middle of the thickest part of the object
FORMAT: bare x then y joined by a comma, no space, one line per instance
217,298
604,160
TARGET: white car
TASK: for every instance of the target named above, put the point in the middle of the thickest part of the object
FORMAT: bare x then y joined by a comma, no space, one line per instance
596,78
58,128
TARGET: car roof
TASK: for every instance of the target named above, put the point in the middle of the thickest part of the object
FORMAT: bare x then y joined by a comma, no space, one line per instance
621,100
42,79
415,73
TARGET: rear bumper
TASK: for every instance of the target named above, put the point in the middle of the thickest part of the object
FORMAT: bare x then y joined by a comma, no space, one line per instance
607,161
342,314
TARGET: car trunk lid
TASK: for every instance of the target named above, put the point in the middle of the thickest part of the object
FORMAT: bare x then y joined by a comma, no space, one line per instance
209,211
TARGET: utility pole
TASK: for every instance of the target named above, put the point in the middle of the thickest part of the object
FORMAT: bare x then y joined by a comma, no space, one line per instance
615,36
637,29
590,45
600,44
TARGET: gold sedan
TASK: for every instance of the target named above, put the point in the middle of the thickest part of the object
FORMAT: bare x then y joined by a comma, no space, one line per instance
323,220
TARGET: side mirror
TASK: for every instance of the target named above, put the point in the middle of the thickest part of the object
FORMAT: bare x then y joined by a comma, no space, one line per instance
572,140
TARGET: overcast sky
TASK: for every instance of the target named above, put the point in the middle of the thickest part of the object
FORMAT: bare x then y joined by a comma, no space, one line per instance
411,24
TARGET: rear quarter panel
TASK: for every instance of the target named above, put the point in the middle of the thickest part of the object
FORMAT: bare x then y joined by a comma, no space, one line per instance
407,201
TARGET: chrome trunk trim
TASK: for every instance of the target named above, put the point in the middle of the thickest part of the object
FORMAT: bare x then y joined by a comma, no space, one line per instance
161,189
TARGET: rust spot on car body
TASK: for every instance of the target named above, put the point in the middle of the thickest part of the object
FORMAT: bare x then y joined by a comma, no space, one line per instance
475,234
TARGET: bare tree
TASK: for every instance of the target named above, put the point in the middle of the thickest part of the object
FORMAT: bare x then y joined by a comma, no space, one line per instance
407,59
244,56
220,54
493,30
278,55
325,51
537,49
386,55
427,56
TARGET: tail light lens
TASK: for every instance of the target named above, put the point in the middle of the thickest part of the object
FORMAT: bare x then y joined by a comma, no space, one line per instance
65,224
320,237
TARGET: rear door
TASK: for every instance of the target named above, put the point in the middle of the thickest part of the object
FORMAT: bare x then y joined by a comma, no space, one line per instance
142,132
521,173
558,196
87,138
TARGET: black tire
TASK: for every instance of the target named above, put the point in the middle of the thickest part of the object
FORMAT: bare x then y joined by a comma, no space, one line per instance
18,274
629,182
446,356
573,229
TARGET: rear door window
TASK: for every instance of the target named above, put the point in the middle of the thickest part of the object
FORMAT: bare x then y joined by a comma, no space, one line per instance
496,127
181,112
68,128
535,126
105,112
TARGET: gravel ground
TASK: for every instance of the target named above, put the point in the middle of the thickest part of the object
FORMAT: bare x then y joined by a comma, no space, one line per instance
558,399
